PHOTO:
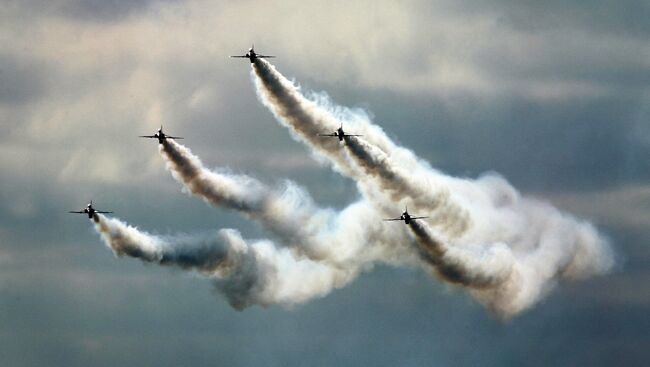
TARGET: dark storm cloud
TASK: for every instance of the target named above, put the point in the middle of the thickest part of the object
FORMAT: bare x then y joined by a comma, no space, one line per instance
577,129
89,10
553,146
587,65
475,47
596,140
22,80
617,69
628,18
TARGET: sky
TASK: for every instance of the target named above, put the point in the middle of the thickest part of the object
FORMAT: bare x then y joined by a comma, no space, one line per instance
554,96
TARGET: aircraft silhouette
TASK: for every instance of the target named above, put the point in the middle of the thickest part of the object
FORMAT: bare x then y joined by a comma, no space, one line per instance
339,133
89,210
160,135
406,217
251,55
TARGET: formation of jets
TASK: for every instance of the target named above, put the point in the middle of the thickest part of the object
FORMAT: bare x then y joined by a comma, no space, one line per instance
406,217
251,55
339,133
161,136
89,210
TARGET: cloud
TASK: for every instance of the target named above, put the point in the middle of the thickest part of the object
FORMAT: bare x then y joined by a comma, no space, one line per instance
622,18
624,208
540,92
85,10
84,83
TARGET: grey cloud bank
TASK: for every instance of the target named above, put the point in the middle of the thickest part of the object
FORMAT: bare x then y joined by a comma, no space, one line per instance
552,96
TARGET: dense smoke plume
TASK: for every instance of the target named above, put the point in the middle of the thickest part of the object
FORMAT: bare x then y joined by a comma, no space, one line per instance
287,212
508,251
247,273
278,211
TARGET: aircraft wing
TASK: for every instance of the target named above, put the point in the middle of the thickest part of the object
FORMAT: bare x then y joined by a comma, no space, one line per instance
172,137
264,56
392,219
332,134
76,212
147,136
418,217
102,212
351,135
244,57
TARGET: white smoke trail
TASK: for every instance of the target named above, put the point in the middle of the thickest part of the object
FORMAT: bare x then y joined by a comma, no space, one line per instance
238,192
320,234
519,247
256,273
397,184
303,117
508,251
290,214
474,267
306,119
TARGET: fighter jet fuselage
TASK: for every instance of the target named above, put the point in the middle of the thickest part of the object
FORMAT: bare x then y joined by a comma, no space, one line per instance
339,133
251,55
160,135
405,217
89,210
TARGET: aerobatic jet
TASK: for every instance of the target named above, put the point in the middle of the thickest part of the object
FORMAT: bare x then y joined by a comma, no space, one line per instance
406,217
160,135
251,55
339,133
90,211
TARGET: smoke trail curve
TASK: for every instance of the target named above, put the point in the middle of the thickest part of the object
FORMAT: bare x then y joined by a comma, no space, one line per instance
508,251
306,119
290,213
544,244
278,211
246,273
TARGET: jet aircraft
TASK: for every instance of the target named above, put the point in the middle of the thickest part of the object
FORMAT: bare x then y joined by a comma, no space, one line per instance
406,217
90,211
252,55
160,135
339,133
